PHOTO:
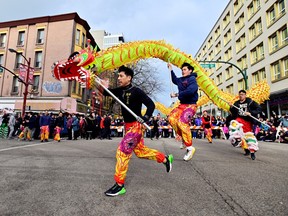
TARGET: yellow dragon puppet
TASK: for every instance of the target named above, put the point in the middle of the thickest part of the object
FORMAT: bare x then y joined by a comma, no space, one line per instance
86,64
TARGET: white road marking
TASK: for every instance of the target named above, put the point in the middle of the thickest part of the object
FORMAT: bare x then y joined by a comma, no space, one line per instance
19,147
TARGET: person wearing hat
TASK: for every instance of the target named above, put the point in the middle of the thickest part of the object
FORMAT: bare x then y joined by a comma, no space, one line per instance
133,140
206,124
181,116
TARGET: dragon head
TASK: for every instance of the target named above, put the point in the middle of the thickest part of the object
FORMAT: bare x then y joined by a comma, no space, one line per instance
73,67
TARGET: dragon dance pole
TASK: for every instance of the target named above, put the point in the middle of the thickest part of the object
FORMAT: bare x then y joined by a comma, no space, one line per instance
243,112
138,118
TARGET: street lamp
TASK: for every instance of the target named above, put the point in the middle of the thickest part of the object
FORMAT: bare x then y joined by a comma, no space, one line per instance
243,72
26,84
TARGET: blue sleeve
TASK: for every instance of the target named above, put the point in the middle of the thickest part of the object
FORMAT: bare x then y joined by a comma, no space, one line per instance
174,78
191,89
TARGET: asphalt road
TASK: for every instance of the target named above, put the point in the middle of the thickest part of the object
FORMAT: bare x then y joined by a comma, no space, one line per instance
70,177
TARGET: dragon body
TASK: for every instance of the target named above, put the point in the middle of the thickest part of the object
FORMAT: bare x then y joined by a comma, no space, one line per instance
84,65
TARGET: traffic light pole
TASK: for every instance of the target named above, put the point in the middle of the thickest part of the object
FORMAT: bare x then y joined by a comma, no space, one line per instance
244,74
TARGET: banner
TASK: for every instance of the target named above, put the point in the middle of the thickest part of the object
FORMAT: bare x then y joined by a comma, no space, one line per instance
23,71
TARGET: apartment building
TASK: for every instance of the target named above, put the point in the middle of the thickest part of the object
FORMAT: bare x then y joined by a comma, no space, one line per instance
252,35
44,40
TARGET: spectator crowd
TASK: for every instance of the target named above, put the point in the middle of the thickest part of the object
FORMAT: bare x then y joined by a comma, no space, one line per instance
72,126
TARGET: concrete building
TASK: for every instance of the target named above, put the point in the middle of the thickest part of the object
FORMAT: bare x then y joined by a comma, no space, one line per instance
253,36
44,40
106,40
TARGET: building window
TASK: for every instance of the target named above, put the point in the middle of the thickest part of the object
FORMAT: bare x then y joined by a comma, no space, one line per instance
255,29
83,40
38,59
227,37
217,33
228,54
239,23
257,53
241,84
219,79
40,36
271,16
237,5
18,60
230,89
229,72
242,63
218,48
79,89
226,20
285,67
273,42
258,76
35,86
240,43
1,62
77,37
2,39
21,37
74,87
15,85
284,35
281,5
275,71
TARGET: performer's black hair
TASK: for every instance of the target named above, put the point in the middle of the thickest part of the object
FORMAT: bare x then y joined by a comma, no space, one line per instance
188,66
126,70
242,91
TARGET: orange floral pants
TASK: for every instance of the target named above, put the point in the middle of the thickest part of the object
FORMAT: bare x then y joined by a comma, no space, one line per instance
133,142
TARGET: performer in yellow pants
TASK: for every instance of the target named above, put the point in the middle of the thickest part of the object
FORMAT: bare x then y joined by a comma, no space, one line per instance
44,133
180,118
133,98
133,142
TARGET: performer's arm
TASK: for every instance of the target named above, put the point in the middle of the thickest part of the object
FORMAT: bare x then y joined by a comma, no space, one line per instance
255,108
148,103
173,76
233,110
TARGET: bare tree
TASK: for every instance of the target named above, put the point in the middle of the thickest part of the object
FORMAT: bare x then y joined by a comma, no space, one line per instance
145,77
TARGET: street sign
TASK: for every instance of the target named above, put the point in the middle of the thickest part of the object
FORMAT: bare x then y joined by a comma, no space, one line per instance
208,65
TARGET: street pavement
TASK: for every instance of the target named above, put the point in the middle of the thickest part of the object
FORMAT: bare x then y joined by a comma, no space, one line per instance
70,177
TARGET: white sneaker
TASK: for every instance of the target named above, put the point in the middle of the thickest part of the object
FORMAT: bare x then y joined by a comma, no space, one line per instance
189,154
182,146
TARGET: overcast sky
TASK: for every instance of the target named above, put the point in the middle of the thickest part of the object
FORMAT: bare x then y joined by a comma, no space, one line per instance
183,23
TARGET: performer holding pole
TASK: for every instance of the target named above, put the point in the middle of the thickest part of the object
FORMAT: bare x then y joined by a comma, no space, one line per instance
181,116
242,112
133,141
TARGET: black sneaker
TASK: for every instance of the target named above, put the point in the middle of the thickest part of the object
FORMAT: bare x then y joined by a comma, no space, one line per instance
168,163
253,157
116,190
247,152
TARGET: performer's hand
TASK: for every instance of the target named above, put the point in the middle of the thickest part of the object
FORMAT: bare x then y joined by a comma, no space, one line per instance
230,104
139,119
169,65
247,113
173,95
